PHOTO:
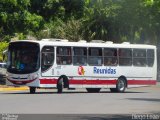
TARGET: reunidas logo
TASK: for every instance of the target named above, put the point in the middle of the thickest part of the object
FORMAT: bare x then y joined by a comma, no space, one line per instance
81,70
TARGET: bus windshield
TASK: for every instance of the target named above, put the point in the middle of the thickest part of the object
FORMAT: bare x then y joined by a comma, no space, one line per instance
23,57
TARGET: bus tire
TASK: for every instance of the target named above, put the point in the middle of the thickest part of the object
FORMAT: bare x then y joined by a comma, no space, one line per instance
32,90
121,85
93,90
60,85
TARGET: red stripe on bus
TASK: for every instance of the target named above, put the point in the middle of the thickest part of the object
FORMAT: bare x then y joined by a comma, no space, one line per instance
87,82
48,81
99,82
93,82
112,82
141,82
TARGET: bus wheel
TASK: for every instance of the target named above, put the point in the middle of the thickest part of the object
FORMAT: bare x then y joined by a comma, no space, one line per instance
60,85
121,85
32,90
93,90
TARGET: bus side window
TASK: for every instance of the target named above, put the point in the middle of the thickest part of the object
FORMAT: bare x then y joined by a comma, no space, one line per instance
79,56
125,57
95,56
139,57
110,57
64,56
150,57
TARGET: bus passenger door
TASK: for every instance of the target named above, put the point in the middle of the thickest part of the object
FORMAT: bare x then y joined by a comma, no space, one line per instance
47,60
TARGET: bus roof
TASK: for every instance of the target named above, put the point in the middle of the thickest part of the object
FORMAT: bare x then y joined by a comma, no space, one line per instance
90,44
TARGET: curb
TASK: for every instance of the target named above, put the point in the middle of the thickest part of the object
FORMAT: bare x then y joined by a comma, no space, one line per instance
14,89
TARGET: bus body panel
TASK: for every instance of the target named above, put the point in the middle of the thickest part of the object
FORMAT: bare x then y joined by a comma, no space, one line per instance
85,76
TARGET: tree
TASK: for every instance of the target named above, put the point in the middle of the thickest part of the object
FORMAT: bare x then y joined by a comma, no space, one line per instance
73,8
3,47
136,21
48,9
15,18
70,30
99,19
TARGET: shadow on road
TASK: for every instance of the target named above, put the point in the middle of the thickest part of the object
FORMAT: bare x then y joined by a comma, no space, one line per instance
145,99
106,117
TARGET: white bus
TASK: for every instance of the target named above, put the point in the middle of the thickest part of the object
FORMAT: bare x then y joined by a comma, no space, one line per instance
56,63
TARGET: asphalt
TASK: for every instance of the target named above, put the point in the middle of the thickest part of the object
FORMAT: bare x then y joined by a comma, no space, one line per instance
6,88
143,100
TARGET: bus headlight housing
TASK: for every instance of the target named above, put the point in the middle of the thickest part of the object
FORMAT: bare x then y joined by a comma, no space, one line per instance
34,76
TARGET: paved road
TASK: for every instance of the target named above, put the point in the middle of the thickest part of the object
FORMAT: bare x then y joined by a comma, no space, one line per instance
134,101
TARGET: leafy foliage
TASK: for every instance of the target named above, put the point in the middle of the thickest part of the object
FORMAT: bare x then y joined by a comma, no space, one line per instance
136,21
3,47
15,17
